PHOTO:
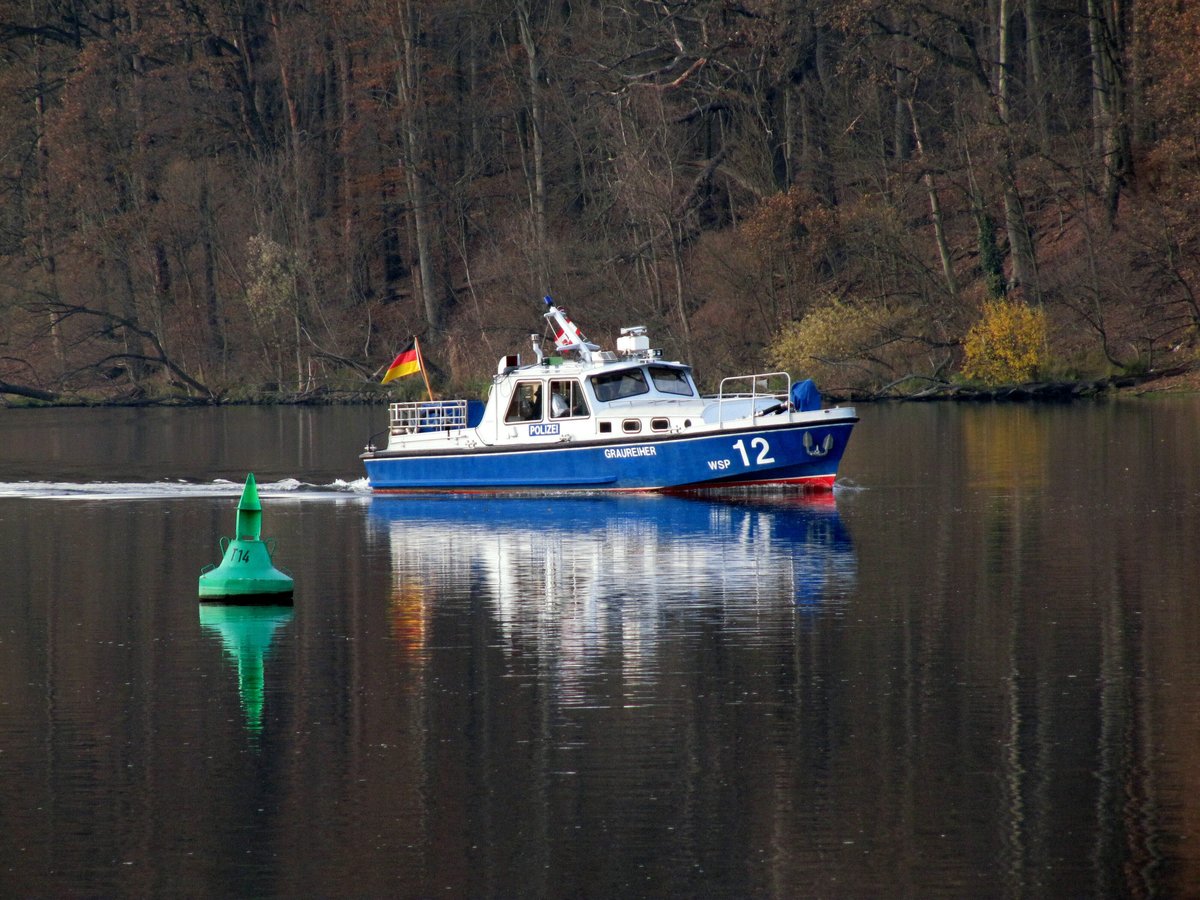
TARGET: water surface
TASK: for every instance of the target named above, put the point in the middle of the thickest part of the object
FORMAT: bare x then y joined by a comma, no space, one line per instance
970,672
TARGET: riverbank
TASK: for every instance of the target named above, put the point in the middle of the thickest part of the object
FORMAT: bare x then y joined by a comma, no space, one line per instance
318,397
1176,380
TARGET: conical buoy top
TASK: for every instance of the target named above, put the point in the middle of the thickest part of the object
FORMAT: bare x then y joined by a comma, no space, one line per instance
249,512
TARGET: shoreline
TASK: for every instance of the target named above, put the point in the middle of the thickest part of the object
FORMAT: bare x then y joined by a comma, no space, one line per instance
1177,380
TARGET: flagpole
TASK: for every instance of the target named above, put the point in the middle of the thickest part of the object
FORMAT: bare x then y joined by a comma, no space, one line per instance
421,363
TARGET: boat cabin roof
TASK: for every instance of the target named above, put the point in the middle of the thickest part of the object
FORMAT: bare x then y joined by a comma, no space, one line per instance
609,380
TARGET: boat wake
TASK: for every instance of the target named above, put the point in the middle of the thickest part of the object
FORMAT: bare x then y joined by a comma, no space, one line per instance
287,488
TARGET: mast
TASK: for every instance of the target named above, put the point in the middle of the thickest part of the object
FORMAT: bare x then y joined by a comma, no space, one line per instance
567,335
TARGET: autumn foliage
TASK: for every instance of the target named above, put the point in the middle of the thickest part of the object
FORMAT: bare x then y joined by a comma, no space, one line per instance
1007,345
214,200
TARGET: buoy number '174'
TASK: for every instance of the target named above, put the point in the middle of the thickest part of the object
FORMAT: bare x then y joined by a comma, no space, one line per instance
760,444
240,555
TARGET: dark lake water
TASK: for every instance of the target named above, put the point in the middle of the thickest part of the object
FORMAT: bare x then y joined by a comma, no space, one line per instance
972,672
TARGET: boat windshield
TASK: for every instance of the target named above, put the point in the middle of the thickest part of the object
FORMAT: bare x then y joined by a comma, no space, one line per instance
618,385
670,381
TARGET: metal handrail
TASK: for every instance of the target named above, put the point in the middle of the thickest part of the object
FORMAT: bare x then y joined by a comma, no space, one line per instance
427,415
754,393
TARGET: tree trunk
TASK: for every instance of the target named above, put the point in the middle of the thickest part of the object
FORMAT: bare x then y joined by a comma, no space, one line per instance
935,207
537,149
413,136
820,160
904,119
1037,86
1020,241
1100,97
289,101
676,237
130,189
343,61
991,262
299,189
45,235
1002,63
1106,34
208,248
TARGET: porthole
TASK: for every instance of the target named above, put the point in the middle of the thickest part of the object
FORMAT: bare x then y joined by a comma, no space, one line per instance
606,427
660,424
631,426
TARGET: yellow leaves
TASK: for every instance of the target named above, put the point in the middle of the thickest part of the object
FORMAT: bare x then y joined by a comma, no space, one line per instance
1007,345
824,341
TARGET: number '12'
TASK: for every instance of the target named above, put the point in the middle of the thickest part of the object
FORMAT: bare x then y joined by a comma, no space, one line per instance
759,444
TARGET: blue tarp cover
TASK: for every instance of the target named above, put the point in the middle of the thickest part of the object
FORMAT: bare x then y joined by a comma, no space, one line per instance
474,413
805,396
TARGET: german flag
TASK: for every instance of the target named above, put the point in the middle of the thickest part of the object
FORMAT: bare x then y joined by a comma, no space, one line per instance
407,363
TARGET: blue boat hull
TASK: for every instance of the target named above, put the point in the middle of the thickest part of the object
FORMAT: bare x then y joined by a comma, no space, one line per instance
802,455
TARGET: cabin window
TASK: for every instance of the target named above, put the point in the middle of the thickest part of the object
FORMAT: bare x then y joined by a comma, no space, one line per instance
670,381
566,399
606,427
618,385
660,424
631,426
526,404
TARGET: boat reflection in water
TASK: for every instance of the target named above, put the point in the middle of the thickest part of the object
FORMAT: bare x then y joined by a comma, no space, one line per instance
581,576
246,633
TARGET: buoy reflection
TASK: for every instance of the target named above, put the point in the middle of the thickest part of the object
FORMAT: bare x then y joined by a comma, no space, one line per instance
246,633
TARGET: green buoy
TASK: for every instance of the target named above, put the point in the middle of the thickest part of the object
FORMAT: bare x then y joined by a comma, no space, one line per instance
246,574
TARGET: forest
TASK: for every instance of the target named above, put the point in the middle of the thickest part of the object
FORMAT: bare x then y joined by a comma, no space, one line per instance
233,200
